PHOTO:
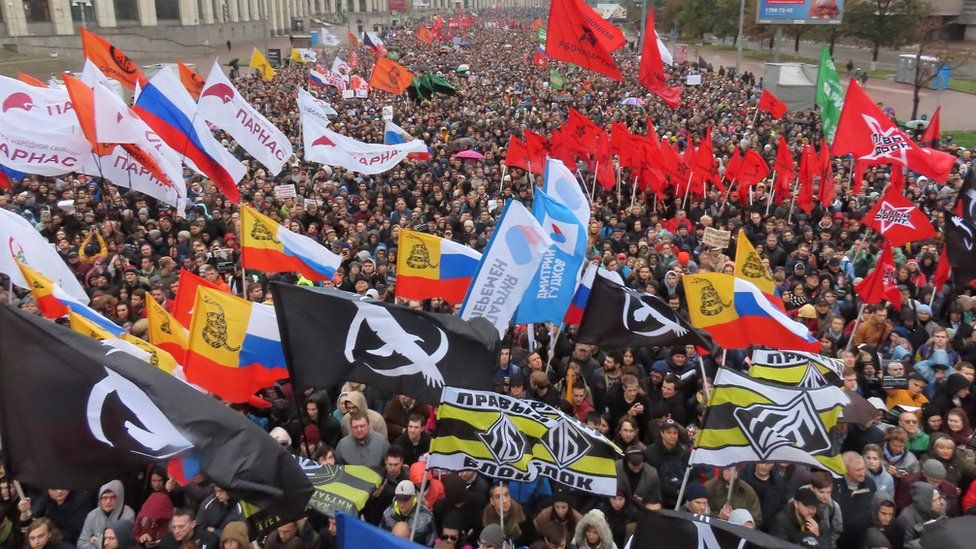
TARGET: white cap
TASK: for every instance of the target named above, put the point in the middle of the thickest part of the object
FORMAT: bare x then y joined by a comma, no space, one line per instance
405,488
878,403
741,516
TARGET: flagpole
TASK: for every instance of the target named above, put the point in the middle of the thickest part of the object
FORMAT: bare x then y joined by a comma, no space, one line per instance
593,188
633,192
530,333
772,191
932,297
728,193
793,192
501,184
684,203
684,481
857,321
708,392
420,499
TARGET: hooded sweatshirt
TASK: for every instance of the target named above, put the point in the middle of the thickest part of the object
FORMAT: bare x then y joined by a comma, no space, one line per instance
376,421
123,533
97,520
919,512
154,517
892,534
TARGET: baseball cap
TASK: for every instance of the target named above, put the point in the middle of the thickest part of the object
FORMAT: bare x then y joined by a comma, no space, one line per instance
741,516
492,536
405,489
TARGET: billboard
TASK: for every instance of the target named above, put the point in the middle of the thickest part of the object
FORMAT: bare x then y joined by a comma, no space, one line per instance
397,5
799,12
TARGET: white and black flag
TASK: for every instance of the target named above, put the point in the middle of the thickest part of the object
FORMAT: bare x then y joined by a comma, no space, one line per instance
75,413
617,316
961,234
667,529
330,337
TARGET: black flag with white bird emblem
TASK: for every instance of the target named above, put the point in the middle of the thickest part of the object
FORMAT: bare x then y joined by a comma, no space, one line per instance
75,412
617,316
330,337
666,529
960,231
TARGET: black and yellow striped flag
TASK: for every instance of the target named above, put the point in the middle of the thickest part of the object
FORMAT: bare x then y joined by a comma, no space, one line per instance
749,420
338,488
796,368
512,439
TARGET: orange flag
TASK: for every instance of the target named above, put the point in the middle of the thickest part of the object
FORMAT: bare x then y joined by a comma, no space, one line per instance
425,36
82,99
28,79
192,81
390,76
353,42
113,62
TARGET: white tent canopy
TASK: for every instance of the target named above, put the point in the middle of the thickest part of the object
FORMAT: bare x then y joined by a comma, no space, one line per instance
792,83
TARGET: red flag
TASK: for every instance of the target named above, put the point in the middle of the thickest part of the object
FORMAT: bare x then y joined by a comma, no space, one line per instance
605,174
516,156
828,189
807,169
882,282
941,271
186,295
733,167
864,131
859,168
605,32
603,152
769,103
536,24
353,59
619,137
537,148
651,74
28,79
559,150
353,41
897,219
582,131
570,38
785,168
540,59
703,164
934,130
753,169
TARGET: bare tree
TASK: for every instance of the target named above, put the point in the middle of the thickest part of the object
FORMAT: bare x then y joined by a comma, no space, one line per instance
930,44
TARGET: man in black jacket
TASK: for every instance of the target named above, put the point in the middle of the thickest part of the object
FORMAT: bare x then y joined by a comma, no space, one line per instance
66,509
854,493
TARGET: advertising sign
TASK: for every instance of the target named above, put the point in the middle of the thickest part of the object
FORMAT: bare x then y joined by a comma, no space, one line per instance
799,12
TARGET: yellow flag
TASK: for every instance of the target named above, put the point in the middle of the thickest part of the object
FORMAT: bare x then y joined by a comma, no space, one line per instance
749,266
86,327
153,355
261,64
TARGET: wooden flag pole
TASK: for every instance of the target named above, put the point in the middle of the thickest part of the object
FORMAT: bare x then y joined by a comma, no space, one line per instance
857,322
684,203
419,503
593,188
772,192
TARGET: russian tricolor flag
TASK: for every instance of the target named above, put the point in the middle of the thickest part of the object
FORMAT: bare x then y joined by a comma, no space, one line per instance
395,135
166,106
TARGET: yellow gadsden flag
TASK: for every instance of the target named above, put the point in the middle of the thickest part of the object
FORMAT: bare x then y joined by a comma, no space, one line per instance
261,64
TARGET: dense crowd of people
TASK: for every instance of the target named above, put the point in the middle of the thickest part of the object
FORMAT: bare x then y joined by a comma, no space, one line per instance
914,463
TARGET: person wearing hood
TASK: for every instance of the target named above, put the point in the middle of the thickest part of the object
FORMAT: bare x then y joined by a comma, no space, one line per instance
934,473
118,535
886,529
927,504
621,514
593,532
353,402
235,536
152,522
560,514
217,510
111,506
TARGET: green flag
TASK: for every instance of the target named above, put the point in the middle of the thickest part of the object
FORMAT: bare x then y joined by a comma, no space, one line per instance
540,35
439,85
556,80
830,96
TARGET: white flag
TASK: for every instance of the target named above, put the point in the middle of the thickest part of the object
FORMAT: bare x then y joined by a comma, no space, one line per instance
34,107
327,38
123,170
223,105
323,77
325,146
341,68
312,106
507,267
22,243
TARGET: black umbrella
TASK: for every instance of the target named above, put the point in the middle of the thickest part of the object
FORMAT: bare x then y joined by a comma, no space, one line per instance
956,533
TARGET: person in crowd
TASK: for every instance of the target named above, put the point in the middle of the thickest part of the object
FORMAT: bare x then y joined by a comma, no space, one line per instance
853,493
403,509
593,532
111,507
797,522
43,534
183,530
362,446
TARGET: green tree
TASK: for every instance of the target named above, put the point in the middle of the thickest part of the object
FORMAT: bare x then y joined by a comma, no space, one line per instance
885,23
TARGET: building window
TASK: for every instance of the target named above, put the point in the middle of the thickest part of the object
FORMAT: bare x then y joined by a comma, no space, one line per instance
126,10
37,11
76,12
167,9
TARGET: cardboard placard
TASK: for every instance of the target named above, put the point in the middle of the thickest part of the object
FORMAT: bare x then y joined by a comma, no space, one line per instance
693,80
388,112
285,191
716,238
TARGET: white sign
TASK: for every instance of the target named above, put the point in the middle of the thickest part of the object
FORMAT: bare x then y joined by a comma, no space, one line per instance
388,112
693,80
285,191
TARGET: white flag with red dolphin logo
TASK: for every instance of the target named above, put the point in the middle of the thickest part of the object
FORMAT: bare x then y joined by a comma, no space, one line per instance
341,68
19,241
325,146
31,106
221,104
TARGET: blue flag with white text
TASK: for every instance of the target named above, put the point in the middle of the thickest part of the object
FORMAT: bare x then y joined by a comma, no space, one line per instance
552,288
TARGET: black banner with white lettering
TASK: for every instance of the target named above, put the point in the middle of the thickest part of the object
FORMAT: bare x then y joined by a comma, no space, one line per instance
666,529
617,316
961,234
331,337
75,412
